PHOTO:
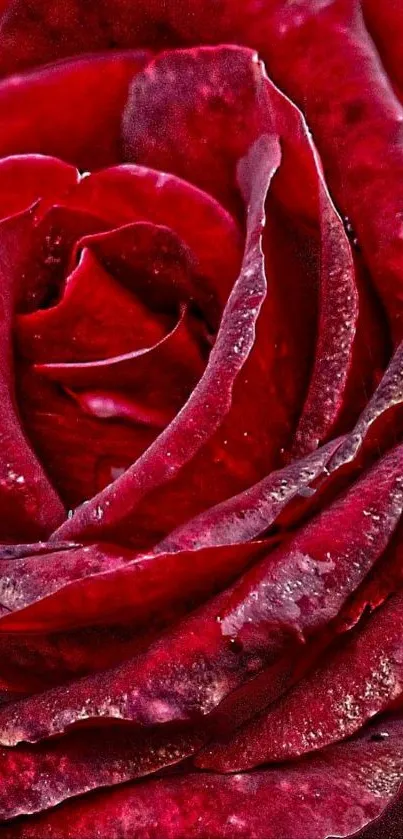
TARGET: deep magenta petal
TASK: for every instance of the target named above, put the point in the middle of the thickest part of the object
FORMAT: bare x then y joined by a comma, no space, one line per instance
196,362
123,195
71,109
381,418
287,598
322,56
334,793
247,515
338,320
197,95
35,779
385,24
52,30
285,327
148,259
346,690
106,585
29,505
212,398
102,317
175,357
24,179
388,824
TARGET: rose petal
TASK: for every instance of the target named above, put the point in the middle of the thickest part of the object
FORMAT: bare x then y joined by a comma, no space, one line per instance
146,258
48,247
56,30
176,359
346,312
382,410
106,584
336,792
247,515
196,94
19,551
385,24
338,321
383,580
34,779
71,109
29,505
86,438
388,825
345,691
371,351
25,179
155,382
126,194
36,662
322,56
154,264
95,318
281,340
287,598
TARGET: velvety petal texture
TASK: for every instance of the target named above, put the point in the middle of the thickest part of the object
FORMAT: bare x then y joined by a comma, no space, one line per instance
337,792
201,419
71,109
227,454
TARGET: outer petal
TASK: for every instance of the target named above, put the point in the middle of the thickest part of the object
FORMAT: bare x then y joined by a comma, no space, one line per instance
45,31
335,793
360,680
247,515
380,420
321,54
385,23
33,779
71,109
106,585
288,597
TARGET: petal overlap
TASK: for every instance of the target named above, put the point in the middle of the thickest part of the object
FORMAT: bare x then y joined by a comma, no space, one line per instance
201,419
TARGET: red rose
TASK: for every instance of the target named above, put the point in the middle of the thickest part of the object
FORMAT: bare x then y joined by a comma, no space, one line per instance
201,417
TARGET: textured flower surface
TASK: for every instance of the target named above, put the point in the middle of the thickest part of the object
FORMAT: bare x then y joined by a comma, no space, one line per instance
201,419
